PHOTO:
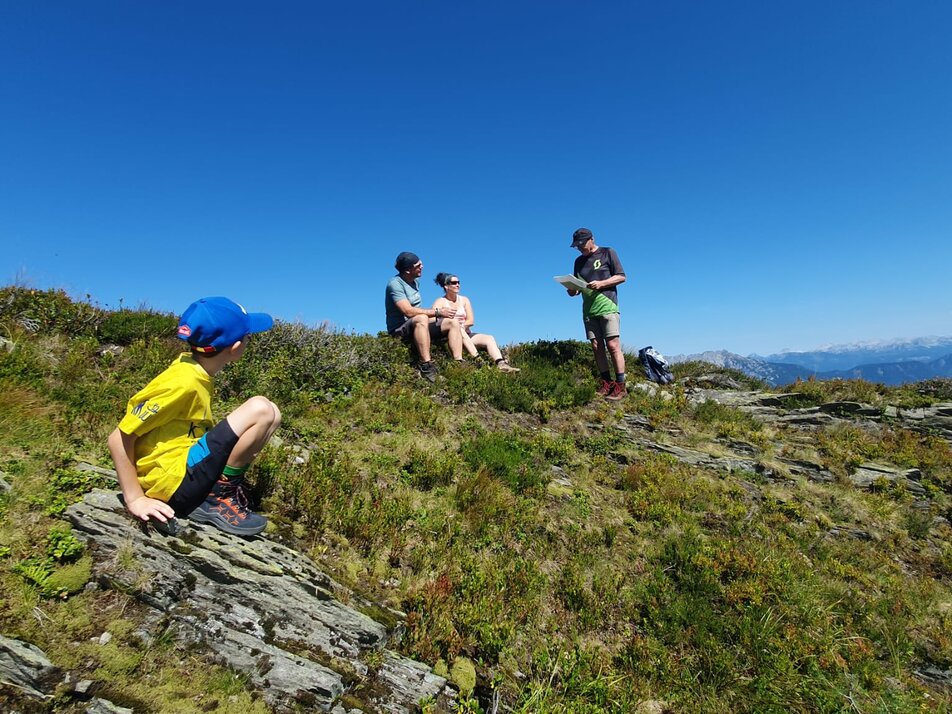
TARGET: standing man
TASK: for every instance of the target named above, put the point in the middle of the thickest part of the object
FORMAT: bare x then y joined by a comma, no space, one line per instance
601,270
412,323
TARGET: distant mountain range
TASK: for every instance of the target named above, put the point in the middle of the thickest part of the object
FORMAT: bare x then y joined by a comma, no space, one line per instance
888,362
846,357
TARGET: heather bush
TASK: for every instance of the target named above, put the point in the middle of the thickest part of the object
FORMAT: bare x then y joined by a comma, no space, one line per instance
46,311
295,365
814,392
555,375
123,327
506,457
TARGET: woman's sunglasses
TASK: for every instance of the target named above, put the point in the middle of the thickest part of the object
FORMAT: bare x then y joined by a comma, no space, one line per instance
452,282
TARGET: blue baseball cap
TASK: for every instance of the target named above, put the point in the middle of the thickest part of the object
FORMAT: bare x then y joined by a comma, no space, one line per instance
216,323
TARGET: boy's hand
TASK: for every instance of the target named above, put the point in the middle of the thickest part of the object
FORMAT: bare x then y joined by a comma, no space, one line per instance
146,508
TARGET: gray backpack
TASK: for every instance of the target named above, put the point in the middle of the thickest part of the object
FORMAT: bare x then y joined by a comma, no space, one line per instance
656,366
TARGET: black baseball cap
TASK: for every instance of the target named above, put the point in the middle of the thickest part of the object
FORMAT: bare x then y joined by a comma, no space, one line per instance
405,261
581,237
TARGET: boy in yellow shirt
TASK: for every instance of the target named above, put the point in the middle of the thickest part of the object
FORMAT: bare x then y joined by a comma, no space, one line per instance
171,458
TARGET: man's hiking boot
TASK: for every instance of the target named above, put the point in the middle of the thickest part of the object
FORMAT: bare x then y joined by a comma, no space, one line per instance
503,366
617,393
226,508
428,371
605,388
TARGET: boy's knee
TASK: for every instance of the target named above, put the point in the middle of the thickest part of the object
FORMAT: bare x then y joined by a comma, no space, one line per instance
264,410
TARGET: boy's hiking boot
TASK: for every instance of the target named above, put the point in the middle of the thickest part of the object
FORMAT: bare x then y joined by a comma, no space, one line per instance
605,388
226,508
503,366
428,371
617,392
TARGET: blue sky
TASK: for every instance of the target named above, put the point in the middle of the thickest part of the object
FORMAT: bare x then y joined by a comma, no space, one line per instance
772,175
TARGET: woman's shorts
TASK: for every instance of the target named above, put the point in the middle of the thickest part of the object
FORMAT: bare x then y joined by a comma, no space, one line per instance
206,460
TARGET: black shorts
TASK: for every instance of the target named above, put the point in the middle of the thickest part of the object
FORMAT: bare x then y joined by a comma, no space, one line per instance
206,461
405,331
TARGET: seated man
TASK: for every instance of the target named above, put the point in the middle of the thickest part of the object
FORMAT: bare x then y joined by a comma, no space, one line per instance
410,322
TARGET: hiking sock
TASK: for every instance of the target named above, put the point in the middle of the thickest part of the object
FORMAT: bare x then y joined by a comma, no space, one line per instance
606,376
231,473
620,377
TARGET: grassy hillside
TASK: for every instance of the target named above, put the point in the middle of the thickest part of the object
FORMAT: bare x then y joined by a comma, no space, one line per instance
511,517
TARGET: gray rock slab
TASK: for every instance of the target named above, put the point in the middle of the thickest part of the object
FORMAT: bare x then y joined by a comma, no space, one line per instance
25,667
104,706
809,469
254,604
779,408
866,475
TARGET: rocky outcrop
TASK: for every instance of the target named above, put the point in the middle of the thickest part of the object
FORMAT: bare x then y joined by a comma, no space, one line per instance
259,607
27,669
784,409
868,475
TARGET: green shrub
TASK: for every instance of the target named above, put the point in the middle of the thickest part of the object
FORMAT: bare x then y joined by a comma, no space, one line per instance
123,327
46,311
508,458
424,469
295,365
555,375
68,485
392,408
62,545
814,392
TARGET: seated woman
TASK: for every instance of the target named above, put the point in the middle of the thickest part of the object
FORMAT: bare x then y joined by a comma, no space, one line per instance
464,313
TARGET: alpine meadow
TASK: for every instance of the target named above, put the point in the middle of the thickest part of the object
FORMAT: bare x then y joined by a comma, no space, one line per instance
504,542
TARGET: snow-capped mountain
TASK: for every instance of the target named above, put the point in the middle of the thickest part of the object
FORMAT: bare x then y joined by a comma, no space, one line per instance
892,362
848,356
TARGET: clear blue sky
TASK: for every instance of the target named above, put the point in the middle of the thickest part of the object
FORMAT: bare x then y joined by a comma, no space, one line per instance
773,175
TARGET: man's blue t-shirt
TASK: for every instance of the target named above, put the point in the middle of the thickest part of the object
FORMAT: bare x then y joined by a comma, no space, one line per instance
398,289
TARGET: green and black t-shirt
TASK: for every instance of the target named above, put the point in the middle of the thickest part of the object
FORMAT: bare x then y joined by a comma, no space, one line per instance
600,265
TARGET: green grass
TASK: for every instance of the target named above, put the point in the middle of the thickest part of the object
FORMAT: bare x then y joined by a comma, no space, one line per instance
514,520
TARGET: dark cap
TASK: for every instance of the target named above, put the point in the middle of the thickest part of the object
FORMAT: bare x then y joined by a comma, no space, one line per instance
405,261
581,237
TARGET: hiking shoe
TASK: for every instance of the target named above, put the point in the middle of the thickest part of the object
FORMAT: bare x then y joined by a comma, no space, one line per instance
428,371
503,366
226,508
617,393
605,388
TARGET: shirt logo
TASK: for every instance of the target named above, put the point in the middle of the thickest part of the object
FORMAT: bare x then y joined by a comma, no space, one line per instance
597,264
144,412
185,330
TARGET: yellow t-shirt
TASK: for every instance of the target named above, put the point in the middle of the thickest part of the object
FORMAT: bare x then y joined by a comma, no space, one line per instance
170,414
